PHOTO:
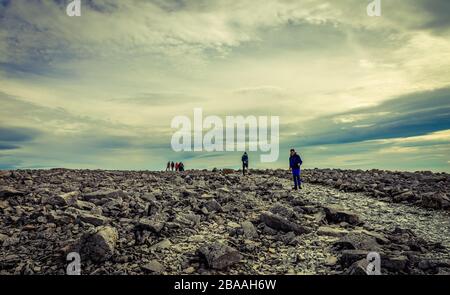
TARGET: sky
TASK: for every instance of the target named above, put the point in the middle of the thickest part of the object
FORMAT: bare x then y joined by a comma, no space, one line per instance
99,91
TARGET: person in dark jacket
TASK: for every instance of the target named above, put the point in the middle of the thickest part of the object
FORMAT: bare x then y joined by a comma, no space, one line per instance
294,164
181,167
244,160
172,165
168,166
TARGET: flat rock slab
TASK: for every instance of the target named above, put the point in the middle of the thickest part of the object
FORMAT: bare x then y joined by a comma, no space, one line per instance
278,222
103,196
6,192
154,267
331,231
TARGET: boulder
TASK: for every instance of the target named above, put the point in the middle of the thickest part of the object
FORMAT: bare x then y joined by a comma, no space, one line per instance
219,256
282,210
405,196
435,200
357,241
278,222
99,244
396,264
335,214
66,199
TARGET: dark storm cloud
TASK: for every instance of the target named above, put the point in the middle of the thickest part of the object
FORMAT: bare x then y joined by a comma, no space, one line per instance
5,146
17,134
439,10
410,115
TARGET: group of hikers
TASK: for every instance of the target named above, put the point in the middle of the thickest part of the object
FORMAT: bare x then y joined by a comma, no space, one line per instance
294,165
295,162
171,166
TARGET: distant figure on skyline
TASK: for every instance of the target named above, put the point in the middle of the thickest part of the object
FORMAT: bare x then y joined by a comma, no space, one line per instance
168,166
294,165
172,165
244,160
181,167
177,166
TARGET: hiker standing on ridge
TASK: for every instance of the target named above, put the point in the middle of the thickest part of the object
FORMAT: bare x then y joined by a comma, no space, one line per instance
244,160
181,167
177,166
294,164
172,165
168,166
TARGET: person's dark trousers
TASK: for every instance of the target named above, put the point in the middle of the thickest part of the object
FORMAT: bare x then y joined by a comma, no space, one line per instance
296,177
244,166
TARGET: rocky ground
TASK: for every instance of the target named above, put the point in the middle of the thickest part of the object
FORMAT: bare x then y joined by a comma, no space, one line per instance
219,222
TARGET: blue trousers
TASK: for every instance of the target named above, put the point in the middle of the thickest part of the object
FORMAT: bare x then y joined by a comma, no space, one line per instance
296,176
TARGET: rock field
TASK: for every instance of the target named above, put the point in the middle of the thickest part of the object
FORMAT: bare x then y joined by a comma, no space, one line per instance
220,222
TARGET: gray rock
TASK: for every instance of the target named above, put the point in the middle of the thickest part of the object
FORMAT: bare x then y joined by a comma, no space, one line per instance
249,230
278,222
358,241
435,200
335,214
164,244
103,196
358,268
331,231
96,220
153,225
66,199
213,206
99,244
6,192
220,256
154,267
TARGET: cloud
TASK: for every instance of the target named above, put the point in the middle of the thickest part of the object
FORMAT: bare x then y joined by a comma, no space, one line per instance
100,90
8,146
17,134
410,115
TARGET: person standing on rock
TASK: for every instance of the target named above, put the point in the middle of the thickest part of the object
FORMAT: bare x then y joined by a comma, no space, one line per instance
294,165
181,167
177,166
172,165
244,160
168,166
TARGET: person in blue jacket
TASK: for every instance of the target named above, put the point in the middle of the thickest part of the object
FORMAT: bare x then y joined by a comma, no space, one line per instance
294,165
244,160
